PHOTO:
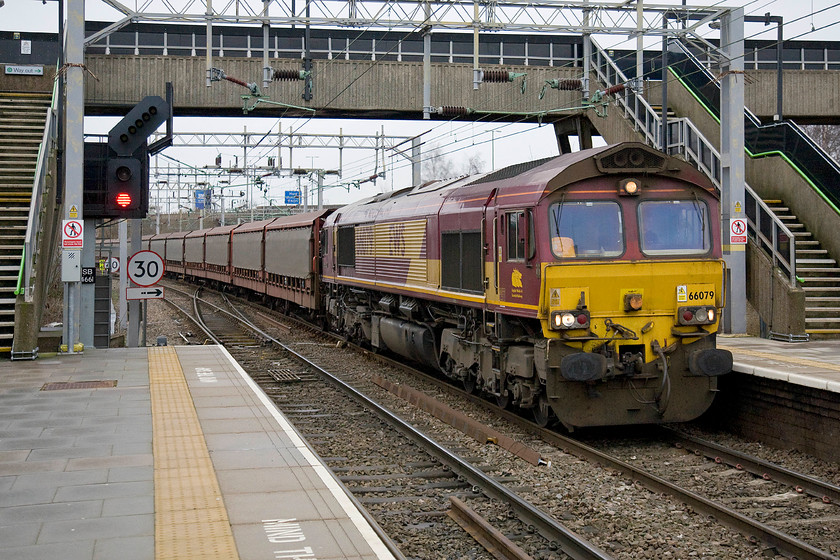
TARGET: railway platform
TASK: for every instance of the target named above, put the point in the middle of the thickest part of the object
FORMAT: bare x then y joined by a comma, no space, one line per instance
167,452
808,364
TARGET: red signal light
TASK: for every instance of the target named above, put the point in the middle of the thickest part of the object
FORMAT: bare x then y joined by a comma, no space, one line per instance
123,200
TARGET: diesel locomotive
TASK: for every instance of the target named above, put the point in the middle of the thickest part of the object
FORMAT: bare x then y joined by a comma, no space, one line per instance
586,287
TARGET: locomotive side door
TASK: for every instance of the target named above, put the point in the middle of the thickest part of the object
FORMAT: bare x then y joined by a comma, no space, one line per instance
515,251
491,254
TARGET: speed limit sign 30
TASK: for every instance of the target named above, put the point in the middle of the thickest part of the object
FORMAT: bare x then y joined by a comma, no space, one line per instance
145,268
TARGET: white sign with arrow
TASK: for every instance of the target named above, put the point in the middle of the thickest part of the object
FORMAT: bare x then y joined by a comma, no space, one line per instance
152,292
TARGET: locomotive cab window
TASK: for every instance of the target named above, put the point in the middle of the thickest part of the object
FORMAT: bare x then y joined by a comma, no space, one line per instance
674,227
586,229
520,243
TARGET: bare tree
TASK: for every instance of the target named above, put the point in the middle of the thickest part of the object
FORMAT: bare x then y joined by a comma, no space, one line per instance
827,136
438,165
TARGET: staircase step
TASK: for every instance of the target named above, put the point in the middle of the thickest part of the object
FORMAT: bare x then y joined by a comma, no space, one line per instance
812,251
798,234
817,270
814,261
822,320
8,170
795,226
821,289
813,279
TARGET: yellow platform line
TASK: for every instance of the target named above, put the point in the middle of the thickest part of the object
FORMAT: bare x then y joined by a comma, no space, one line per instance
190,516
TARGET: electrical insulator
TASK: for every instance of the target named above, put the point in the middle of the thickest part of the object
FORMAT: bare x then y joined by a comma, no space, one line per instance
569,85
497,76
450,111
614,89
287,75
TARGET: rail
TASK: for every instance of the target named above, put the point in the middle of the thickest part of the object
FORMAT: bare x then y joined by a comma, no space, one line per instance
33,224
765,228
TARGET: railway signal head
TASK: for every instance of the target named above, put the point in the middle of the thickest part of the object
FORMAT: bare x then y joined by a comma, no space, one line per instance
127,195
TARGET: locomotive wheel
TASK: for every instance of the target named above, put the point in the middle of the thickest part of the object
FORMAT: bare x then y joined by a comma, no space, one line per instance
542,412
503,400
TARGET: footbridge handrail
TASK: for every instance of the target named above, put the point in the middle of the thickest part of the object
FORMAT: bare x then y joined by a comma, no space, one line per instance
765,228
33,224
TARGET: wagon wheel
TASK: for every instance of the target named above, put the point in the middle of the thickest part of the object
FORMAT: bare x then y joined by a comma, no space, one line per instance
542,412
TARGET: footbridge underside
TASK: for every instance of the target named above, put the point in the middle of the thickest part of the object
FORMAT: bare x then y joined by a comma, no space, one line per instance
384,89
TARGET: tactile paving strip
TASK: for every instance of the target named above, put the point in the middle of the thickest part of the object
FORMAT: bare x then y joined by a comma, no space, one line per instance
190,517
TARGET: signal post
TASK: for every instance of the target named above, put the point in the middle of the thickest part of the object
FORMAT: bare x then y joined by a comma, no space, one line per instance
116,186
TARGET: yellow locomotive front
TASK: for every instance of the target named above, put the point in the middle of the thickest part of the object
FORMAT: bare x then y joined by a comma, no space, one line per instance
631,299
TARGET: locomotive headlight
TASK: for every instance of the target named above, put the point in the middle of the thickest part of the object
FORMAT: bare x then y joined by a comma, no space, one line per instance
629,187
563,320
696,315
568,319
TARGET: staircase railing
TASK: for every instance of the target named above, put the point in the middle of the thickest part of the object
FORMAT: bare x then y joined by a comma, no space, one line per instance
767,230
33,224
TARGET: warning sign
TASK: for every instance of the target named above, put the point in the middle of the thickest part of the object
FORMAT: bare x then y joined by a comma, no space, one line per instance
72,234
682,293
738,231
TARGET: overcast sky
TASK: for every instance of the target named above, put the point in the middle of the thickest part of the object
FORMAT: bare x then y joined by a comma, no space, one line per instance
511,143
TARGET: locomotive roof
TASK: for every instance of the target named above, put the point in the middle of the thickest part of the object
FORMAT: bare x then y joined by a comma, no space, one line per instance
528,181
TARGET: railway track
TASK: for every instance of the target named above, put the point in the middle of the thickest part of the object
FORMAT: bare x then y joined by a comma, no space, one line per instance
415,469
645,461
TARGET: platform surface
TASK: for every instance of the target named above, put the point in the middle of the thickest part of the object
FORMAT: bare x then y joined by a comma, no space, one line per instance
122,471
811,364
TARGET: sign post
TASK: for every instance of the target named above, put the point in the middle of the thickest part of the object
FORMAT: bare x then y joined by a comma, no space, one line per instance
144,270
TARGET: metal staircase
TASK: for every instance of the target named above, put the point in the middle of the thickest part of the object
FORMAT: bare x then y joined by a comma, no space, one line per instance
818,273
22,120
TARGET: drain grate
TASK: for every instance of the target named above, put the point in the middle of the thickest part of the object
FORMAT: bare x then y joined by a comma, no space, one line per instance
62,385
284,375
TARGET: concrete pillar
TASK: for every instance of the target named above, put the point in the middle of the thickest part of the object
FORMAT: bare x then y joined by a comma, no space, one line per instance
732,165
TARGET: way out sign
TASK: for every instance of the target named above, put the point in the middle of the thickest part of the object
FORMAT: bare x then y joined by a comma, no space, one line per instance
145,268
738,231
